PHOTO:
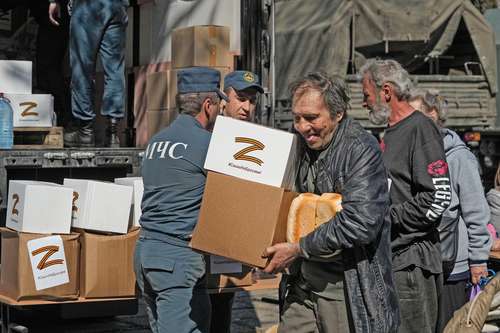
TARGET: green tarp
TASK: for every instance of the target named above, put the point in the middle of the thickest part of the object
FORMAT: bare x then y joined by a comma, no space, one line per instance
315,35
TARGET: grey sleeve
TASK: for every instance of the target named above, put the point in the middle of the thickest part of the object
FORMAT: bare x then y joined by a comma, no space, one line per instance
474,207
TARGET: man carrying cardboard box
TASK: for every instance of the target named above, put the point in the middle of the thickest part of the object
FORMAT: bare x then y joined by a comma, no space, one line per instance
354,290
242,89
169,273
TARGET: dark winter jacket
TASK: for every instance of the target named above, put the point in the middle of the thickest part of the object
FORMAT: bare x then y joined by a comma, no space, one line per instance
353,167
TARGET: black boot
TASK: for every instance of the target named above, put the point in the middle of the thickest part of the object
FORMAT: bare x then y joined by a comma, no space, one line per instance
82,136
112,140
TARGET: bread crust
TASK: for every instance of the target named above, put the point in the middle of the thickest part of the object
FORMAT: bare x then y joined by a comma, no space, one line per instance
301,216
308,211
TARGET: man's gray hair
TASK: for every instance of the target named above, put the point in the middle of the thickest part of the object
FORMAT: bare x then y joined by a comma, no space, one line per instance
431,99
388,71
191,103
333,89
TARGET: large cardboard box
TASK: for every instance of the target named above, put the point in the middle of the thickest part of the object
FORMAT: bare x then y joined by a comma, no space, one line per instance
138,190
39,207
161,88
100,206
204,45
252,152
253,217
226,273
32,110
15,76
107,265
18,272
158,120
140,100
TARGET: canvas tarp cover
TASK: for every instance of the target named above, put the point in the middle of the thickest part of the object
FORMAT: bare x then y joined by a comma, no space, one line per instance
316,34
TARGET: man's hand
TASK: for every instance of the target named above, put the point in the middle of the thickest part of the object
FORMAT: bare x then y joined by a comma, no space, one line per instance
54,12
496,245
281,256
476,272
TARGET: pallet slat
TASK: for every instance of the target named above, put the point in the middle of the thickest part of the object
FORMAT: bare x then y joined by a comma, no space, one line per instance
38,138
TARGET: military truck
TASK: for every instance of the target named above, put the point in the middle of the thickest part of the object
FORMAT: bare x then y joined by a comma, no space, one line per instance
448,45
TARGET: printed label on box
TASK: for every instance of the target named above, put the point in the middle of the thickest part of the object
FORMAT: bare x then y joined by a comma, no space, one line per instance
252,152
222,265
48,262
15,210
29,110
74,207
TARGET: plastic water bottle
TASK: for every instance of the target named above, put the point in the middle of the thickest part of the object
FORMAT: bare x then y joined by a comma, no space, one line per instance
6,123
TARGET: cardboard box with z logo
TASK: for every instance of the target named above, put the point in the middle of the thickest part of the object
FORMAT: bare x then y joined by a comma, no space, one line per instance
32,110
35,266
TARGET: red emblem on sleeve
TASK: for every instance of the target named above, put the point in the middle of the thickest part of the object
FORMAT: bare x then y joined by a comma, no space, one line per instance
437,168
382,145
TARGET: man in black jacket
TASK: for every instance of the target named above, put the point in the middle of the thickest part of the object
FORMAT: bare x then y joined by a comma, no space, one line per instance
420,191
330,291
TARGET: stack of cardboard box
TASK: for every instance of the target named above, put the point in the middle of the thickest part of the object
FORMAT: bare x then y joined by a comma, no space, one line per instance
65,241
30,110
40,256
248,191
206,46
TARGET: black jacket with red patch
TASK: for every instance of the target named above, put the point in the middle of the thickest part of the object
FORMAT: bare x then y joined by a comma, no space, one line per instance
419,191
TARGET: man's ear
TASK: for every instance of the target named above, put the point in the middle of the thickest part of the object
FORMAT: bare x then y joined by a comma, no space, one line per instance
339,116
387,90
207,102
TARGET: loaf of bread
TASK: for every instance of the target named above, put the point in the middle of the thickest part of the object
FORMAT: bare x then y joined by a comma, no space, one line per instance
308,211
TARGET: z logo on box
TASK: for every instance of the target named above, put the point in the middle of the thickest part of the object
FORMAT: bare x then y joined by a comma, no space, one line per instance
27,111
255,145
44,262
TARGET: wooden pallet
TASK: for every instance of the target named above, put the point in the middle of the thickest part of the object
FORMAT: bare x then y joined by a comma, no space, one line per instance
38,138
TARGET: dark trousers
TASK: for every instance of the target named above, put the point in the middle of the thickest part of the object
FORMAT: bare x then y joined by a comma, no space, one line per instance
307,312
453,297
418,292
222,305
51,48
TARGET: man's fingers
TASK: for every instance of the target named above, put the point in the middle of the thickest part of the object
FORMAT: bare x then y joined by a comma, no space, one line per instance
54,11
270,267
268,252
54,22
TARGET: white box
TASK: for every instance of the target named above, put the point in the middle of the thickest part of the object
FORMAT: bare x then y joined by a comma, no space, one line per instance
39,207
252,152
15,76
138,188
100,206
32,110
